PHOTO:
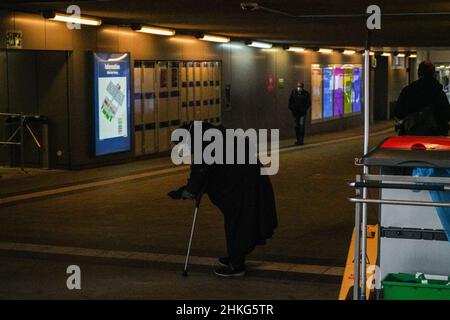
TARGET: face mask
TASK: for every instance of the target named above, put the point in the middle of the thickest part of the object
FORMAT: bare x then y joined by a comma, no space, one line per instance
183,149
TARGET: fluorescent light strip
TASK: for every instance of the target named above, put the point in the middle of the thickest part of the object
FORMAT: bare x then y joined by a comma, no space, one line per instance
325,51
213,38
401,55
261,45
156,30
73,19
386,54
349,52
296,49
413,55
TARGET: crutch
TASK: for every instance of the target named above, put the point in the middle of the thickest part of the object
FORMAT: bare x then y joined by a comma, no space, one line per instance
186,262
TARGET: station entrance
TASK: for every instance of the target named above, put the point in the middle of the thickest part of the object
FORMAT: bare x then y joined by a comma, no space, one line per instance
168,94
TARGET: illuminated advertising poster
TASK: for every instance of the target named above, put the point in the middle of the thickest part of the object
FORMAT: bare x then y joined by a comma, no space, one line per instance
327,92
357,89
316,88
348,90
112,103
338,91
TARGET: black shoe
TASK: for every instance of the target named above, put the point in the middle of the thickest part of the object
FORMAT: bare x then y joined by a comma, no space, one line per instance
224,261
230,271
299,143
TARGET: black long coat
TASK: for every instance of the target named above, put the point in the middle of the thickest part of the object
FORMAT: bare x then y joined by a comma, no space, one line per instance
244,196
422,93
299,102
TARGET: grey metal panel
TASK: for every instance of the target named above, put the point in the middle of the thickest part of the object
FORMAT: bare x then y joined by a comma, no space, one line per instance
408,216
3,83
22,89
22,82
4,156
411,256
51,67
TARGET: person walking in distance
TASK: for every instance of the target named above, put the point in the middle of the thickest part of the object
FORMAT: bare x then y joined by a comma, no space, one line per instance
299,103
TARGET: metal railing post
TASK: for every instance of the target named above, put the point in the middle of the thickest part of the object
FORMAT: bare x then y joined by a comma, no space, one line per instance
356,257
22,144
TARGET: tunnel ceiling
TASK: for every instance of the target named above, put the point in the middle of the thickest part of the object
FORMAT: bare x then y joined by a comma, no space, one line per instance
227,18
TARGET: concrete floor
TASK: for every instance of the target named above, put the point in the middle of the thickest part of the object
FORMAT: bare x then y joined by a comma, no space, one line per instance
46,279
315,225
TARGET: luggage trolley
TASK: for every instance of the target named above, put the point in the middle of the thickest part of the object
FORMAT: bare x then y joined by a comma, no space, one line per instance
412,238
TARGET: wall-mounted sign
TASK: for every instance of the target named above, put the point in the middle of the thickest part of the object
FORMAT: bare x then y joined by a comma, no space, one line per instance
270,84
328,91
112,109
316,88
14,39
338,91
398,63
280,83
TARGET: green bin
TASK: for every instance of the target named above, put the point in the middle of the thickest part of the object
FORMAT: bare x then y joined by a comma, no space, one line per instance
404,286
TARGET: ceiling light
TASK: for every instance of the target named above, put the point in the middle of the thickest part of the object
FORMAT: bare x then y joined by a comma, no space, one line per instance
296,49
213,38
349,52
90,21
386,54
400,55
413,55
325,51
261,45
154,30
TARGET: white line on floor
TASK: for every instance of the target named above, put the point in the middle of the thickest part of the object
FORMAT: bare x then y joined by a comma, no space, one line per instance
77,187
166,258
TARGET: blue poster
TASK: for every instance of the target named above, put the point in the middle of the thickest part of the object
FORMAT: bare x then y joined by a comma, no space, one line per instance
112,109
327,92
338,91
357,89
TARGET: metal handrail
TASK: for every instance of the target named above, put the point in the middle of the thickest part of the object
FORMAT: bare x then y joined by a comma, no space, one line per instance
402,186
399,202
397,178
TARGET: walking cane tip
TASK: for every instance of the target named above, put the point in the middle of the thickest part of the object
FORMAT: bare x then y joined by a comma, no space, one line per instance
185,273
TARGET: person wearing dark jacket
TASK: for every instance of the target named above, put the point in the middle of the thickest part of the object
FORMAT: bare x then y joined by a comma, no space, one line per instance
245,198
299,103
423,106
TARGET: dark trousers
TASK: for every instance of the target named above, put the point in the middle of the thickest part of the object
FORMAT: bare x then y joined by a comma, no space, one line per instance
300,128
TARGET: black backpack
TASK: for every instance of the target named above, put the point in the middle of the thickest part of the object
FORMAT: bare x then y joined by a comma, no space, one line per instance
420,123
